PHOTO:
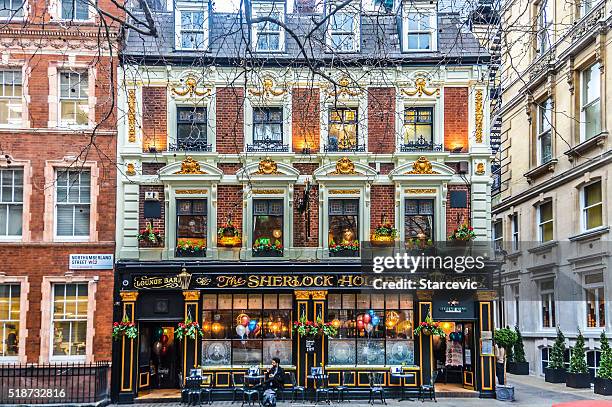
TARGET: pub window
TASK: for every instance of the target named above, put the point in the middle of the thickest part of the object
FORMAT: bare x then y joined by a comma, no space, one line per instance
343,130
191,129
419,220
268,227
69,324
9,319
191,227
11,202
246,329
343,227
373,329
547,303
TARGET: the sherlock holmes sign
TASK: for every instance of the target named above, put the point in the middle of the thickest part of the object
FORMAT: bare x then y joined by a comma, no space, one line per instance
272,281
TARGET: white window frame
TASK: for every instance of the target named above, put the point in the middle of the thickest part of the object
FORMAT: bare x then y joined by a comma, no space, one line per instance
595,287
584,103
13,202
542,223
545,18
268,10
73,204
547,295
52,321
355,33
586,6
544,128
4,322
90,13
514,225
432,31
584,208
70,123
190,7
14,16
498,241
12,101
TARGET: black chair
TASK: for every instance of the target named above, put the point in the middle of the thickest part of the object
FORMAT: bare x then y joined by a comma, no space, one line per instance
376,387
206,388
429,390
192,391
237,386
342,389
295,389
250,393
321,388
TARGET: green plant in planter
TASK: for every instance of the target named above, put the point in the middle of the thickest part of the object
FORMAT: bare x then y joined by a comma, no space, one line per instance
518,353
605,365
578,359
555,360
506,338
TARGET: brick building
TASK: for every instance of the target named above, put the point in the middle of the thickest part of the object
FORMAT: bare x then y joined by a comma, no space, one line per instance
58,183
304,167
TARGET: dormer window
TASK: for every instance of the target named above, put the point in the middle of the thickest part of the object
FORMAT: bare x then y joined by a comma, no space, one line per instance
191,26
419,27
268,36
344,32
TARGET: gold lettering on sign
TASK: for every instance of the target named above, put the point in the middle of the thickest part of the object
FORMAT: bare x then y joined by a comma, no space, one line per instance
420,191
230,281
156,282
343,191
422,166
191,191
268,191
131,115
479,116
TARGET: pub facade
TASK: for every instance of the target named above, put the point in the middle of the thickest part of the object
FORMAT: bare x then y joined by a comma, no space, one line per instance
246,196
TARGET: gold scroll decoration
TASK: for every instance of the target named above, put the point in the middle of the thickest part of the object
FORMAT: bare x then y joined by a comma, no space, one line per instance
422,166
128,296
190,191
343,88
267,166
479,116
319,294
189,87
192,295
131,115
131,170
344,166
420,89
268,191
420,191
302,295
343,191
190,166
267,89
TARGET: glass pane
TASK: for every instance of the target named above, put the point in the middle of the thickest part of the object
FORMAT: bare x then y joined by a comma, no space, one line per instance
79,336
3,219
82,113
65,220
61,338
276,324
547,232
592,119
545,212
68,111
225,301
82,10
255,301
67,9
594,217
240,302
191,226
285,301
341,352
400,352
334,301
591,83
216,353
370,352
81,220
592,194
270,301
10,339
209,301
247,352
343,229
278,348
268,229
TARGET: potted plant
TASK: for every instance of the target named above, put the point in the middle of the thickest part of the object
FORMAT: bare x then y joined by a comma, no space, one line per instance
190,329
344,249
578,372
464,233
191,248
384,235
555,372
429,327
518,364
603,381
229,235
150,235
124,328
263,247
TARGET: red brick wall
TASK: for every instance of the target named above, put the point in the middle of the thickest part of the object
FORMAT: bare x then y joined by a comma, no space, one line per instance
151,168
305,119
456,216
306,168
229,201
156,223
381,120
455,118
382,203
154,118
229,168
300,219
230,120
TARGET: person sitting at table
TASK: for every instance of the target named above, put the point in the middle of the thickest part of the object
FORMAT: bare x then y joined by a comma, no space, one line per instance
275,376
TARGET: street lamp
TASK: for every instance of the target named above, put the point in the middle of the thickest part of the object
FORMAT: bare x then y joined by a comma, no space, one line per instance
184,279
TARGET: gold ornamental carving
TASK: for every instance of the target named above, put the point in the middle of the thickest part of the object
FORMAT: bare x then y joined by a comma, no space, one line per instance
128,296
424,295
131,170
191,191
479,116
267,166
420,191
480,169
343,88
267,89
344,166
420,89
302,295
487,295
131,114
268,191
422,166
193,295
190,87
319,294
189,166
344,191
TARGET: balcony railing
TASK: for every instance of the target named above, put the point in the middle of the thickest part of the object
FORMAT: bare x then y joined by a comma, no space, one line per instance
267,145
420,145
190,144
333,147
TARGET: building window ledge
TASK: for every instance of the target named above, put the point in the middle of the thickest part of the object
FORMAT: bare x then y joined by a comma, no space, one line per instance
514,255
590,234
544,247
540,170
580,149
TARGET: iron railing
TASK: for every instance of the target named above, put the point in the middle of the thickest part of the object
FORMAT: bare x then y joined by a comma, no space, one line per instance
267,145
54,383
420,144
335,148
190,144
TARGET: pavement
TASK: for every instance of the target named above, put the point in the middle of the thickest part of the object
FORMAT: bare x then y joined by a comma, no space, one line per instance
529,391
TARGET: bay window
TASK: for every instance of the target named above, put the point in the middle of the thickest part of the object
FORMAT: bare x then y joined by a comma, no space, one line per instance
547,304
246,329
343,232
268,227
191,227
343,130
545,221
11,202
595,301
544,124
69,319
74,98
11,89
72,203
419,220
9,319
592,206
590,111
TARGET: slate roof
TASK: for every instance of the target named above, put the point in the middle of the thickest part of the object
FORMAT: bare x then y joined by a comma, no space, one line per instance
380,42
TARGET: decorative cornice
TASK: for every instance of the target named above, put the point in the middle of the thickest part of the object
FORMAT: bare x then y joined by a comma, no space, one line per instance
192,295
479,115
190,88
131,115
420,89
190,166
267,166
420,191
422,166
128,296
342,89
319,294
267,89
344,166
302,295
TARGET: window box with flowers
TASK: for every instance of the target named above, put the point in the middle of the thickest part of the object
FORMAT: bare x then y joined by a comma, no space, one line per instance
384,235
124,328
344,249
264,247
464,233
229,235
150,236
191,248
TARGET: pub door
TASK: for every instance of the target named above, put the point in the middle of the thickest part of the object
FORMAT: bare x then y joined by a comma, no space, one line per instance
158,357
309,353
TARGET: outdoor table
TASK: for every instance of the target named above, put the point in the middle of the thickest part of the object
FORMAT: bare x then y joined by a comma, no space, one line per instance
403,383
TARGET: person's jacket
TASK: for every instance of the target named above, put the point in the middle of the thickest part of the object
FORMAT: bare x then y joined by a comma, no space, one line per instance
277,377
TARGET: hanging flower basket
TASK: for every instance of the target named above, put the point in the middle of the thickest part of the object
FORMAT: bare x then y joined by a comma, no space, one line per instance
429,327
124,328
384,235
229,235
150,235
463,233
313,329
190,329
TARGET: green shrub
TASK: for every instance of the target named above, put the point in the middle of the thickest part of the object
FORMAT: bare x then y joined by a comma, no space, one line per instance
605,364
555,358
505,337
578,359
518,353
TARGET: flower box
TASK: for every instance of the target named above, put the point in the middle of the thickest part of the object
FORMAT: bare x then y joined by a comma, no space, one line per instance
344,253
554,375
603,386
518,368
578,380
181,252
267,253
